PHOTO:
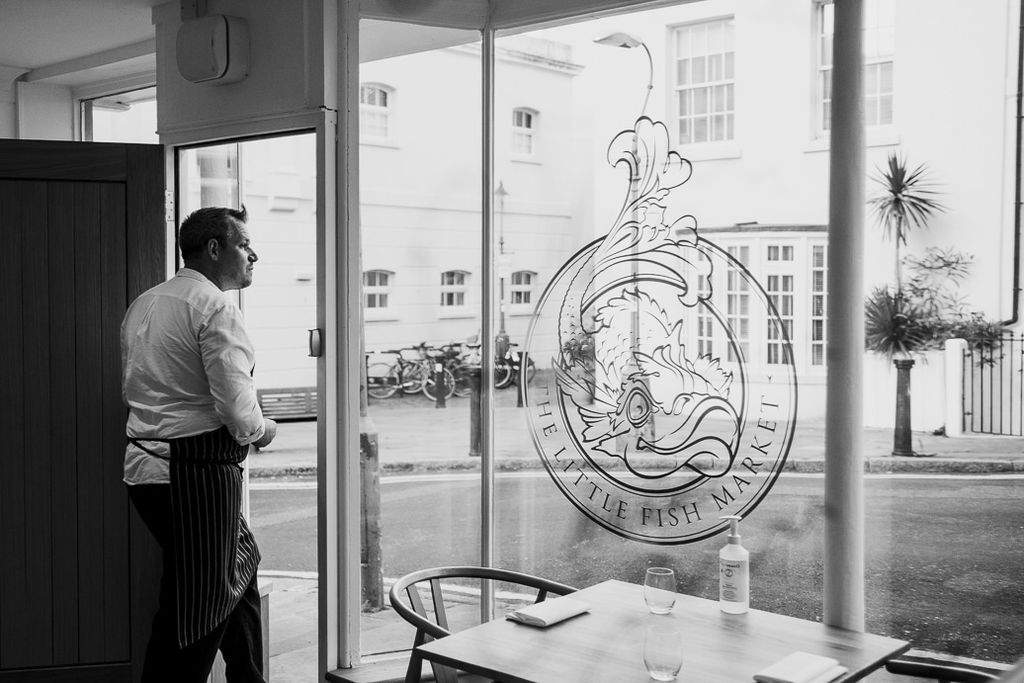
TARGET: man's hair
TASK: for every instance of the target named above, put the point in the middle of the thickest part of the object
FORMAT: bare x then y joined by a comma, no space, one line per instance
215,222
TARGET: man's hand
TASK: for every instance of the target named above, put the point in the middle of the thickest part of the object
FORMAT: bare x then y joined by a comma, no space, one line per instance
269,432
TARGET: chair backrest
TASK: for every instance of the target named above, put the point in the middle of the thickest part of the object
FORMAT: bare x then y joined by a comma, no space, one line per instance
408,603
952,671
1014,675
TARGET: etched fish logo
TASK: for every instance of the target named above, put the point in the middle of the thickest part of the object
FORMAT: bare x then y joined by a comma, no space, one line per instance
624,366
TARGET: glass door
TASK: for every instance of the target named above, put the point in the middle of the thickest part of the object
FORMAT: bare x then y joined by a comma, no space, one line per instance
275,179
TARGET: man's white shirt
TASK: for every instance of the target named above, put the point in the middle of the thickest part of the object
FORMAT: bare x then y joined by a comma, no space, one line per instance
187,369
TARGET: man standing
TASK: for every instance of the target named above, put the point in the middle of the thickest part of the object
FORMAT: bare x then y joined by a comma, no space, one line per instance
187,380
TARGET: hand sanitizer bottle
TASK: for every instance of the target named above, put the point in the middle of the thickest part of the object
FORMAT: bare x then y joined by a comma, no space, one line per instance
734,572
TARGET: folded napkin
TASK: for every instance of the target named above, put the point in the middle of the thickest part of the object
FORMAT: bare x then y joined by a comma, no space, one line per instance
801,667
548,612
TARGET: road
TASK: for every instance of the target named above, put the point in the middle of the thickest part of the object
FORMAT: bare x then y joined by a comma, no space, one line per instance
943,553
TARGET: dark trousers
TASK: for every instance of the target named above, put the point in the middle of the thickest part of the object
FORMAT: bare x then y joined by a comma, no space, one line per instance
239,637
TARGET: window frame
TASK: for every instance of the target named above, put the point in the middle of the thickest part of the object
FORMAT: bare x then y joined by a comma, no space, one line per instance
818,321
385,111
528,133
375,312
528,289
735,317
462,309
726,81
874,62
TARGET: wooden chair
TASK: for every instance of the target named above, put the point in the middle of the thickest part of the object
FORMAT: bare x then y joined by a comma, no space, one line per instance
949,670
407,602
941,672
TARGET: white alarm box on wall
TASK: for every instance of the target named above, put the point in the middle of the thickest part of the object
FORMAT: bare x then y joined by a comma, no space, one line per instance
213,49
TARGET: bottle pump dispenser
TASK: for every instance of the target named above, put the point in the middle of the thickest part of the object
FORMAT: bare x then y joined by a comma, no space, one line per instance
734,572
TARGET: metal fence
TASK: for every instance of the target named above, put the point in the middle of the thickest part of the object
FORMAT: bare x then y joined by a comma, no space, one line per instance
993,386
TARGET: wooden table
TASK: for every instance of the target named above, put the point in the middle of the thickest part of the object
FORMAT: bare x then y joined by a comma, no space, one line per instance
606,643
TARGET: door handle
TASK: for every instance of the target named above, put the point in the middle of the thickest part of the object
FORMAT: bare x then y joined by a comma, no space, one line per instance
315,343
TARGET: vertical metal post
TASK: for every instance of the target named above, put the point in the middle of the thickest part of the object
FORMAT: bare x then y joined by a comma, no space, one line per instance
844,458
440,387
487,325
338,472
474,411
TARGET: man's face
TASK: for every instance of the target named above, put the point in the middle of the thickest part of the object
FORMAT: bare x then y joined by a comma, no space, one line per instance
236,259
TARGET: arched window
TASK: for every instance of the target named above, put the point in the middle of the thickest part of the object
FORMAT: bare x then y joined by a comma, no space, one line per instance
376,103
454,284
524,132
377,289
521,290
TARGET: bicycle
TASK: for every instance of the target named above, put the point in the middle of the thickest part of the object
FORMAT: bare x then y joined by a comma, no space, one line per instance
432,363
507,368
411,375
383,380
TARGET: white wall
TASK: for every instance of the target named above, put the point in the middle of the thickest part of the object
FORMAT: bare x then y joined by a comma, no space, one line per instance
927,392
8,100
45,112
286,71
421,210
954,84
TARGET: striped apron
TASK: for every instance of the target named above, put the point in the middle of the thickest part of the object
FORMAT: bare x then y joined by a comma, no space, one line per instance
215,554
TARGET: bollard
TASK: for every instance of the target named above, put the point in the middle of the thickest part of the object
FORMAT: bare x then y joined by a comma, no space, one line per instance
440,389
902,436
473,373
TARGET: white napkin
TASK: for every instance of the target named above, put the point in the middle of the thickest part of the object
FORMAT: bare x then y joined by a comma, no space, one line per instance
548,612
801,667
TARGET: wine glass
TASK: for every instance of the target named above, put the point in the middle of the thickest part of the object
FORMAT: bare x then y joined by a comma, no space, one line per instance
663,651
660,589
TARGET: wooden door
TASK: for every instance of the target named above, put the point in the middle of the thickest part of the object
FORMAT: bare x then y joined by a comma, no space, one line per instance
82,227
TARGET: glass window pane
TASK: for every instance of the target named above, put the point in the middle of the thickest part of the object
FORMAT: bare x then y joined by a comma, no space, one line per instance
700,100
715,69
700,130
718,127
683,41
682,71
699,36
885,76
885,109
698,70
870,111
871,79
715,37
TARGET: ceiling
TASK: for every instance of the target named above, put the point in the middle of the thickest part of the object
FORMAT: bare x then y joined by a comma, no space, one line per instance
39,33
42,35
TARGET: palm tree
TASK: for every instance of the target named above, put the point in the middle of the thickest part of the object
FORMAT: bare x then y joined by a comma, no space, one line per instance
906,201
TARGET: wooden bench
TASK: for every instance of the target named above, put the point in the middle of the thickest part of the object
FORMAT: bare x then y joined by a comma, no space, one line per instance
290,403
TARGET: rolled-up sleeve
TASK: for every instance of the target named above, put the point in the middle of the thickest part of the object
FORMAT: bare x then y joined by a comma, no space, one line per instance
228,358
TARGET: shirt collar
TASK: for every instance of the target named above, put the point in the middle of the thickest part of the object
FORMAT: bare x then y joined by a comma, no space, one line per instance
193,274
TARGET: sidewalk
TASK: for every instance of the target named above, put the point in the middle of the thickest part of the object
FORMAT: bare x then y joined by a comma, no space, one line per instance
415,436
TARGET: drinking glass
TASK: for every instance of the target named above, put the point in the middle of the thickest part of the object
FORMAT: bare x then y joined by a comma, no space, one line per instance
660,590
663,652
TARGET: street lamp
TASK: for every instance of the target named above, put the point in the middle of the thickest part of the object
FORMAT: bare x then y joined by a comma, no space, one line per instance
502,342
619,39
625,40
